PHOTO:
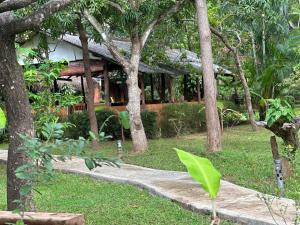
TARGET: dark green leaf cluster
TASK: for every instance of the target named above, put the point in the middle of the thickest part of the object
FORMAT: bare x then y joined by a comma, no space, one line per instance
279,110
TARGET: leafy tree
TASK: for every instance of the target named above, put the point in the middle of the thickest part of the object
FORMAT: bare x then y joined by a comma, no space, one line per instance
18,16
135,20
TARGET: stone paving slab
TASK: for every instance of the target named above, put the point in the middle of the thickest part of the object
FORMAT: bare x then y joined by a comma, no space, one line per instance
234,202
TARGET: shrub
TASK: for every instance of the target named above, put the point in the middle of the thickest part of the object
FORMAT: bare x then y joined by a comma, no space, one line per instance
3,136
81,124
150,123
183,118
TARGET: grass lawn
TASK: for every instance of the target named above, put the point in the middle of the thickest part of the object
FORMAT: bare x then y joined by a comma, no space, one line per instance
108,203
3,146
246,158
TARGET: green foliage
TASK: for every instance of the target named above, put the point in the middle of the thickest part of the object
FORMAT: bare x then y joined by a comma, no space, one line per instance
46,104
2,119
183,118
203,171
112,126
279,110
124,119
40,166
3,126
149,120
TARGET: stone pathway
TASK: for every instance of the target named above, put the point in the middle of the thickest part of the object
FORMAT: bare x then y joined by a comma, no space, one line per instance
234,202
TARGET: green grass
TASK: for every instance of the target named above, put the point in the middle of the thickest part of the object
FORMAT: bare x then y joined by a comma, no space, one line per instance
108,203
246,158
3,146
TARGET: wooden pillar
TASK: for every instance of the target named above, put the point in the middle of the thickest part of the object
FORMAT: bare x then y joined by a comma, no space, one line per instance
171,89
83,91
202,88
106,85
142,84
56,89
198,90
152,88
185,86
163,88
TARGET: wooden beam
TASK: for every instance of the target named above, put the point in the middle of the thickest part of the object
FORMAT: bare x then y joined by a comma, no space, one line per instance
78,68
34,218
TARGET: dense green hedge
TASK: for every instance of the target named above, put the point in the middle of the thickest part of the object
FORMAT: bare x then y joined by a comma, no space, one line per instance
186,118
81,124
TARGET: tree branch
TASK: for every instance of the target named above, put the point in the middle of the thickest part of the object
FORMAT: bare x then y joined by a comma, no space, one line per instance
107,40
222,38
10,5
116,6
35,19
167,13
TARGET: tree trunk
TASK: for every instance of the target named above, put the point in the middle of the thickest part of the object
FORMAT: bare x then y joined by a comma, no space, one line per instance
19,116
246,89
241,74
140,143
90,84
212,117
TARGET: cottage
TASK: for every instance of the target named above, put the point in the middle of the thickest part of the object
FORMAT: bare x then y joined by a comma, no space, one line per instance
156,82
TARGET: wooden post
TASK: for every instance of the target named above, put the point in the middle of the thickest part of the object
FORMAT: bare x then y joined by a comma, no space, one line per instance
185,86
274,147
163,88
171,89
56,89
152,89
83,91
106,85
198,90
141,79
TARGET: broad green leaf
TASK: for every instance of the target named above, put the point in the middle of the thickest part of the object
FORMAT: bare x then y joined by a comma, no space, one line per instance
90,164
92,136
2,119
201,170
124,118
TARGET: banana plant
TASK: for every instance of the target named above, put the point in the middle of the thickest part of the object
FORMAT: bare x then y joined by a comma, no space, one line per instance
203,171
2,119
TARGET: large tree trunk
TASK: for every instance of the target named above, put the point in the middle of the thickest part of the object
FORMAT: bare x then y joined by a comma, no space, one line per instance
140,143
19,117
90,84
211,111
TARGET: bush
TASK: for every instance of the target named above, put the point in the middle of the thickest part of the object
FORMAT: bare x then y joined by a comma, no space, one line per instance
112,127
3,136
183,118
150,123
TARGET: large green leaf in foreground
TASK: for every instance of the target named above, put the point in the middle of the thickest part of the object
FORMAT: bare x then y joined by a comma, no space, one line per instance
2,119
201,170
125,121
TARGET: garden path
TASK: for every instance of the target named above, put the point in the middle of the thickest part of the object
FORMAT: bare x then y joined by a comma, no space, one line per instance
234,202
